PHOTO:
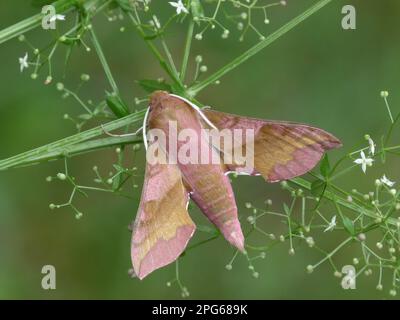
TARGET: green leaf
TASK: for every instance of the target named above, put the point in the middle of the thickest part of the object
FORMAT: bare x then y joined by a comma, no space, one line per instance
325,166
180,92
153,85
152,36
348,224
117,106
318,187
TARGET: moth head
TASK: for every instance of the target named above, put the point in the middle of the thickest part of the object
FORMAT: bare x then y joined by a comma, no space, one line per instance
156,99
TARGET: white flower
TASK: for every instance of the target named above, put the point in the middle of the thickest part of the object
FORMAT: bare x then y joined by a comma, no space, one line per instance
364,161
23,62
371,146
386,181
331,224
179,7
57,17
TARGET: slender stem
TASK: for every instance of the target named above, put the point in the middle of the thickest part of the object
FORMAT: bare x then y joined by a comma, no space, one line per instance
186,53
202,242
103,61
33,22
61,6
169,56
257,48
389,134
216,10
27,157
79,149
388,110
155,52
79,100
335,198
329,256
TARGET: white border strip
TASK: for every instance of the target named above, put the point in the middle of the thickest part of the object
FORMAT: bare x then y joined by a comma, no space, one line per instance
144,128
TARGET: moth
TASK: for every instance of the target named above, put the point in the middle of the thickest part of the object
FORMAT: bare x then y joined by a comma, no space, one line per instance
163,227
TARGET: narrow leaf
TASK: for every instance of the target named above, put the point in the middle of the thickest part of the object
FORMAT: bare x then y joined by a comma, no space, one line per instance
348,224
318,187
117,106
153,85
325,166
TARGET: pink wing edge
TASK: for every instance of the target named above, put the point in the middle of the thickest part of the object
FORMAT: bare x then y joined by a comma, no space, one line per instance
162,253
304,159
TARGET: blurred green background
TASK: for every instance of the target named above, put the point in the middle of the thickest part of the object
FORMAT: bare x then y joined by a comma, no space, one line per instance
318,73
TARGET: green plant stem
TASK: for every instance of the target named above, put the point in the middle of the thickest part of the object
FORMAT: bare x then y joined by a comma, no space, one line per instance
79,100
257,48
388,110
81,148
303,183
103,61
392,126
170,58
333,252
186,53
61,6
61,145
155,52
193,246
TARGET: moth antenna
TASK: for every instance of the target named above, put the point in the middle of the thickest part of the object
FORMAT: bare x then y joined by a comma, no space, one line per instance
144,128
197,109
138,130
120,135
